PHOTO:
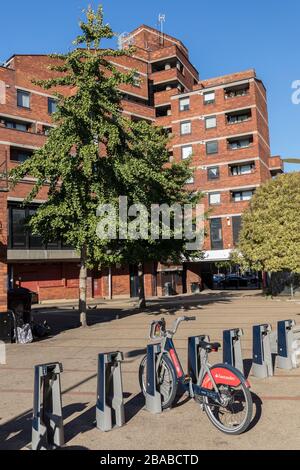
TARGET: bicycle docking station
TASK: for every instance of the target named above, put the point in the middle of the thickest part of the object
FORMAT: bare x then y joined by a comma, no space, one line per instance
287,335
110,404
262,365
194,359
232,349
47,420
153,397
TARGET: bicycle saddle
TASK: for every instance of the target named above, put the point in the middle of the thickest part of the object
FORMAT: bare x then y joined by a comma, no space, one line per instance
209,347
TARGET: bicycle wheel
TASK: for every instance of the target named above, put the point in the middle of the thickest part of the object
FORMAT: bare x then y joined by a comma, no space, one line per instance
167,381
235,414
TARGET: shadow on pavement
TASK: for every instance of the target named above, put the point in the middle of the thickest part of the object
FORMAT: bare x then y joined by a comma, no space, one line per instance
65,318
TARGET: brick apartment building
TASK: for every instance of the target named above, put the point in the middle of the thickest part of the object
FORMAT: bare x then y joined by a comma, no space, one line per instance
222,122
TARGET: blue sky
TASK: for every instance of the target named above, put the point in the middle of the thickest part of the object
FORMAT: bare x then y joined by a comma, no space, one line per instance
222,37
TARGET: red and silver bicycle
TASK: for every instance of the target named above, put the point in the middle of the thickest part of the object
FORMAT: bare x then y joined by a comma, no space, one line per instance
221,390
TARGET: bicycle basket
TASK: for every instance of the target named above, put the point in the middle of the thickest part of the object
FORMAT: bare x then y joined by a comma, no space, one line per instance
157,329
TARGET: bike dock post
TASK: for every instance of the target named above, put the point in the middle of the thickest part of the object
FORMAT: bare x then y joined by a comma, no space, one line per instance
110,404
262,366
153,397
47,421
194,362
286,335
232,349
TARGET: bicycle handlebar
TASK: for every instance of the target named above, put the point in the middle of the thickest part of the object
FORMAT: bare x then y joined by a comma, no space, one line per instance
177,322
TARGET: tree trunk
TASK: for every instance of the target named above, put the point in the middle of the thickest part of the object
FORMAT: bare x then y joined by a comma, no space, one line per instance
142,299
83,287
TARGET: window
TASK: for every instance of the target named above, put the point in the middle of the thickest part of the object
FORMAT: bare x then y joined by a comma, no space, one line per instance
214,198
241,116
209,97
185,128
18,233
242,169
186,151
236,228
235,144
35,241
216,237
184,104
171,156
191,180
23,99
52,105
136,80
239,196
20,236
240,90
210,122
46,130
19,126
213,173
20,154
212,147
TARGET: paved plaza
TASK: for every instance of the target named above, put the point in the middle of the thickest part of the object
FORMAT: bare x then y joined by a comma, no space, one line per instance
118,326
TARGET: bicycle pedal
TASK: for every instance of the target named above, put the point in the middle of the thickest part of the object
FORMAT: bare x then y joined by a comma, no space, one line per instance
186,379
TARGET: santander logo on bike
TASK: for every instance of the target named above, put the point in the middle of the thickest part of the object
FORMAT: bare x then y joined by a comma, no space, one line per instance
226,377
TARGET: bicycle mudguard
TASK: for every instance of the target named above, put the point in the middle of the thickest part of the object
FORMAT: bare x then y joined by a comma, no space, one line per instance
225,375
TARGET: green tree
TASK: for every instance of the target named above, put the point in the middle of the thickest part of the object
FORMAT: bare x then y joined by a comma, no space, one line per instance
270,234
94,154
146,178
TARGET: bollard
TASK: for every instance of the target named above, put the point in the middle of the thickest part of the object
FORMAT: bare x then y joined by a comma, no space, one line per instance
285,338
194,361
47,421
153,397
232,348
262,358
110,405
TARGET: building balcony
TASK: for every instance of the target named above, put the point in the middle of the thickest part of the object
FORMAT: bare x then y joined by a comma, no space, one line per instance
164,97
165,76
137,109
276,165
22,138
163,121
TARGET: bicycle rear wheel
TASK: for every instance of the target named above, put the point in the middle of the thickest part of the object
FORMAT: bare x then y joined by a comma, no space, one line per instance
235,414
166,380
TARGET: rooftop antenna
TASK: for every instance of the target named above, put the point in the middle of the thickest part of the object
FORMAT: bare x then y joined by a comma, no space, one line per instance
161,20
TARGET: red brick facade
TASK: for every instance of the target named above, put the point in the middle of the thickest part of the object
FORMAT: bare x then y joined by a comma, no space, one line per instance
236,111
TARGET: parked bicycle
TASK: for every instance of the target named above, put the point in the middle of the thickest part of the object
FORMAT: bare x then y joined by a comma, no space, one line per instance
221,390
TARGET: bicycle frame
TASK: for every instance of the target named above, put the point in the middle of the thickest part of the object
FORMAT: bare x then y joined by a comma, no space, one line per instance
205,375
168,347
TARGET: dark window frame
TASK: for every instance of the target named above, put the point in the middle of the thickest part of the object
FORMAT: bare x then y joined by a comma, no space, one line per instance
13,150
23,92
236,228
186,122
181,151
217,244
212,142
209,101
212,178
28,245
51,101
188,106
206,120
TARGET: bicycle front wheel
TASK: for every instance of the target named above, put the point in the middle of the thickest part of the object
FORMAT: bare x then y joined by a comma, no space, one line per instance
166,380
234,415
